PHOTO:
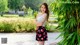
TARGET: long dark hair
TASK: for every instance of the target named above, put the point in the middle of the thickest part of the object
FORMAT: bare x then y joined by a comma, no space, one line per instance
47,10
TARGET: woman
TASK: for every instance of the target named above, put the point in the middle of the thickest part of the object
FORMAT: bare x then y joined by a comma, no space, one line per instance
41,19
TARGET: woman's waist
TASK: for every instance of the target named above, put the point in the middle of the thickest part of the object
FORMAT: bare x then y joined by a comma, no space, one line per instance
40,26
41,23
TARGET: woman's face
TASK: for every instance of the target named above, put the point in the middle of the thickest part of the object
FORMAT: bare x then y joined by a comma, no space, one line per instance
43,9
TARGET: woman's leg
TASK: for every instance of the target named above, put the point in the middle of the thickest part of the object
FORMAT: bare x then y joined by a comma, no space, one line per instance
41,42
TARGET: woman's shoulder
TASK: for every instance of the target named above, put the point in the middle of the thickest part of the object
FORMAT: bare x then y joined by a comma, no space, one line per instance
39,14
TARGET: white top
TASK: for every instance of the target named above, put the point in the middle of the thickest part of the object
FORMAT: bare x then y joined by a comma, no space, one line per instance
41,17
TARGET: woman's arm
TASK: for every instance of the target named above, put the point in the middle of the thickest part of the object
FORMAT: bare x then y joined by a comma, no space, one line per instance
41,23
36,22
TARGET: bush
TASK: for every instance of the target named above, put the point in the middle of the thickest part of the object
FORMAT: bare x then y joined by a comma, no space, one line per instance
20,24
51,28
6,27
16,25
30,27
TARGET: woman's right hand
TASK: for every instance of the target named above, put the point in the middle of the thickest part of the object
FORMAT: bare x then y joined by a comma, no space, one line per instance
37,28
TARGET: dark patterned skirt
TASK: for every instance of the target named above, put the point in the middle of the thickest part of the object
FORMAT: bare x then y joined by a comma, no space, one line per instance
41,34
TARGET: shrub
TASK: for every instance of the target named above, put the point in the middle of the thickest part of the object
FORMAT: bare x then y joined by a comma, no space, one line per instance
16,25
6,27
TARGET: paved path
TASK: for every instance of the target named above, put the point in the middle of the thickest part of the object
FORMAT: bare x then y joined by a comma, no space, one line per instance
26,38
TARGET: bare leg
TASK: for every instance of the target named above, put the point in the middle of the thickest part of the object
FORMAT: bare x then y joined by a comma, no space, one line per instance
41,42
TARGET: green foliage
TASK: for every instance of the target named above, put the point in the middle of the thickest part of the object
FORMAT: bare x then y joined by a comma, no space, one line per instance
3,5
30,11
19,24
30,27
15,4
48,27
35,13
33,4
68,18
8,25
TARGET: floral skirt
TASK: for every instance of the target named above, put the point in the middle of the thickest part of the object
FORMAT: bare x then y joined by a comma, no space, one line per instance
41,34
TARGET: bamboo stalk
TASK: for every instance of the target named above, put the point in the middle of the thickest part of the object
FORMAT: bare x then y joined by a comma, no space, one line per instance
77,21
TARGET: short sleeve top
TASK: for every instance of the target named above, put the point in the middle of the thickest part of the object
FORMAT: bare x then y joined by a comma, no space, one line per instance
40,18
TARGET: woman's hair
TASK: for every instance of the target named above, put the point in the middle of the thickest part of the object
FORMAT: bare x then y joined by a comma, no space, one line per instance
47,10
